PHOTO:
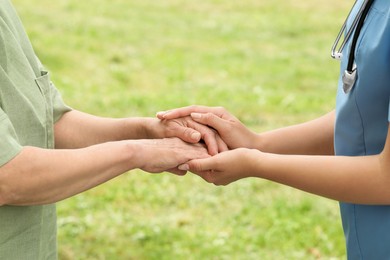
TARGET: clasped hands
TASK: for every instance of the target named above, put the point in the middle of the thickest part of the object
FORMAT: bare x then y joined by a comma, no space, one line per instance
228,143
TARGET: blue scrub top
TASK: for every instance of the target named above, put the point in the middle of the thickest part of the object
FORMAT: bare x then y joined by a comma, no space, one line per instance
362,118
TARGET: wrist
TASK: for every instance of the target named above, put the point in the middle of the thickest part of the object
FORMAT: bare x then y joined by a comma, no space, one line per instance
256,141
261,164
132,151
152,128
141,127
254,162
250,162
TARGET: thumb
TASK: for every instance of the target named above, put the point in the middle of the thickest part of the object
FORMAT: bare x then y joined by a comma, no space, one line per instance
198,165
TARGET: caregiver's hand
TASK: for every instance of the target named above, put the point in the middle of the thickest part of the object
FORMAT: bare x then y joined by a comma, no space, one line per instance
230,129
226,167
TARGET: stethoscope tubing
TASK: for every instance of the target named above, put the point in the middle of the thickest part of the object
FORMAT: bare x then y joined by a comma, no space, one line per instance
359,27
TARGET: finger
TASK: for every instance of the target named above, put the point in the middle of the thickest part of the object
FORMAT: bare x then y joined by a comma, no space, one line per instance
212,120
222,146
178,172
186,111
210,139
208,135
160,114
188,134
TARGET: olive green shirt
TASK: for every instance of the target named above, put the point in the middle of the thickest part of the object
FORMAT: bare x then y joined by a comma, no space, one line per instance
29,106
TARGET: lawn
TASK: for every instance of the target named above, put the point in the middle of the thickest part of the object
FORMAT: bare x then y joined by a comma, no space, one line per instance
268,62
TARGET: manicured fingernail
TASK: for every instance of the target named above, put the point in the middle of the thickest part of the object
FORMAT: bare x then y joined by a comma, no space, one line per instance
184,167
195,136
196,115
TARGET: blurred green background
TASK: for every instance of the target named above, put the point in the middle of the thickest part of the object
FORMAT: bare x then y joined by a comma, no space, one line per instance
268,62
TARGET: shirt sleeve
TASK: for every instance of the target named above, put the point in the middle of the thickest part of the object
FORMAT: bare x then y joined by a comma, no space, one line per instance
59,106
9,144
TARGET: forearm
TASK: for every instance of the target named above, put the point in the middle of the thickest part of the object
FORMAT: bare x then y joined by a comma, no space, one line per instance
311,138
362,180
41,176
76,129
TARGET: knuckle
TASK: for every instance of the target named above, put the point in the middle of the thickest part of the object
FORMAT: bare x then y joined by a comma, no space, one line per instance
195,167
187,132
206,131
209,115
209,136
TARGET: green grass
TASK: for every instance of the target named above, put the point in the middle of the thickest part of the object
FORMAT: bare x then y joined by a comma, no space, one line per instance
268,62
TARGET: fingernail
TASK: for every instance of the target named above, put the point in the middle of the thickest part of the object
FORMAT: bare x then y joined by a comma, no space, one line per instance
160,113
195,136
196,115
184,167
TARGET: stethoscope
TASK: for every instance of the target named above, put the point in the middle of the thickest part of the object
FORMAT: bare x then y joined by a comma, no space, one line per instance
349,76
